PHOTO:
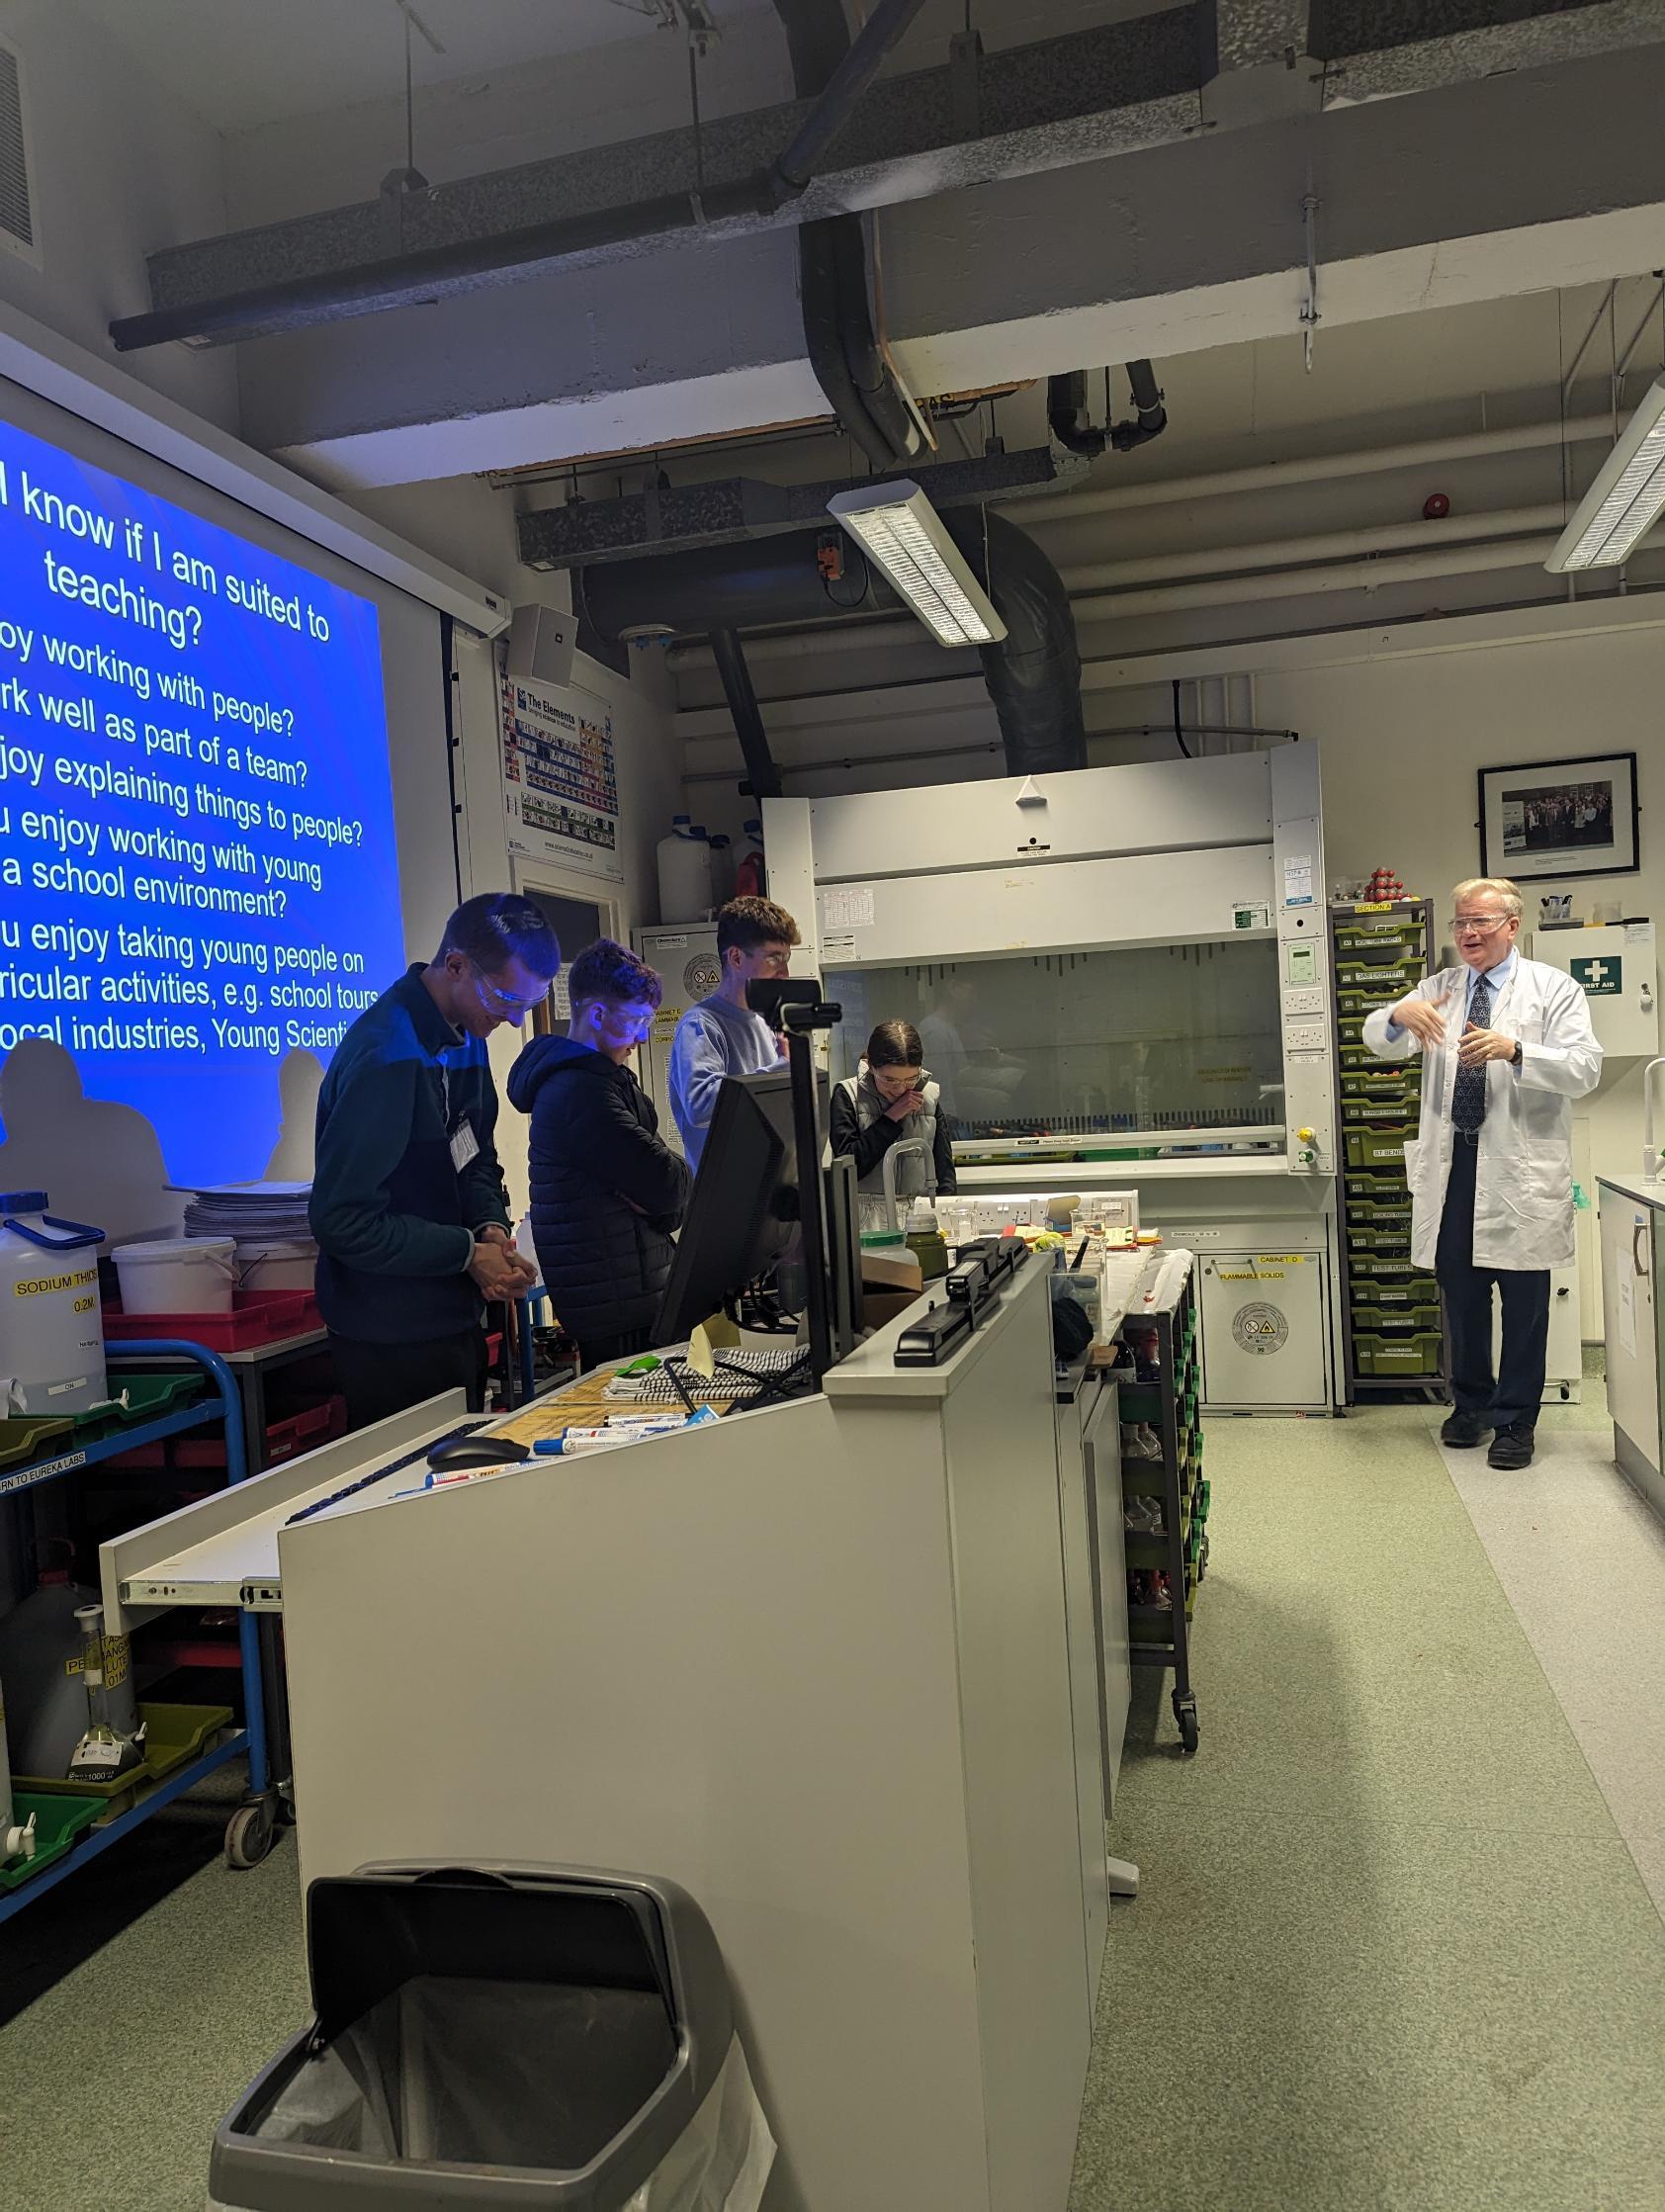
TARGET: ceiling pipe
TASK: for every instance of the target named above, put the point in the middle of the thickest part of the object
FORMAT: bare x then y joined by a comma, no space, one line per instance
1333,544
1317,468
1300,563
762,774
844,353
368,287
1066,417
1147,404
1301,584
1033,675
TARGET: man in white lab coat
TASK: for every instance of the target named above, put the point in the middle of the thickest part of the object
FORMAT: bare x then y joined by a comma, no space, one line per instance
1507,1047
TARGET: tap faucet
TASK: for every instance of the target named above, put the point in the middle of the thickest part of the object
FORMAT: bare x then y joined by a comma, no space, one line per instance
1650,1149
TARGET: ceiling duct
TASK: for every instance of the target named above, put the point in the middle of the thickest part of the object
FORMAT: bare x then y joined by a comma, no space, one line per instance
1034,673
843,349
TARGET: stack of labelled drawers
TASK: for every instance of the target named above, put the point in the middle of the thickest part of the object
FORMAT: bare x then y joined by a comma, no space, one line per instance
1393,1308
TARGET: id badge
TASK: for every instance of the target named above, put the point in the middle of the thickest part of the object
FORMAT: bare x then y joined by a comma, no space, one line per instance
463,1145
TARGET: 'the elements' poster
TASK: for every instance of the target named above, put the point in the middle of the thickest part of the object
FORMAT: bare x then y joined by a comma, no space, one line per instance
560,782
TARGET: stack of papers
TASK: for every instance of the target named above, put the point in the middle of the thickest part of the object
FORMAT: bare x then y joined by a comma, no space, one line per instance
250,1213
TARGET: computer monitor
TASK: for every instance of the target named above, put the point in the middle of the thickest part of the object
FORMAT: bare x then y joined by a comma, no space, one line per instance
744,1217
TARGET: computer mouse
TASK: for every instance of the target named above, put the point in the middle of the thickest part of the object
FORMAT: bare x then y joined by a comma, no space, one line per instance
475,1451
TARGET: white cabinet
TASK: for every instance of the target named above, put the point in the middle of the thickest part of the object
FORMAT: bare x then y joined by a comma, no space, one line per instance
1618,969
1080,1619
1563,1365
1631,1244
1265,1331
688,967
1102,1450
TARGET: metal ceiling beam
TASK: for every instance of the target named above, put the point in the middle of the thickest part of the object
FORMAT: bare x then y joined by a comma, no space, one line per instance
979,119
1049,104
587,532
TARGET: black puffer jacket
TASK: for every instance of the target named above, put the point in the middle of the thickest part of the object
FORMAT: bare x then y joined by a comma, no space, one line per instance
606,1191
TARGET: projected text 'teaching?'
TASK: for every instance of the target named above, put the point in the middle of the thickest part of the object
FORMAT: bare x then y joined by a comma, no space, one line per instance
196,857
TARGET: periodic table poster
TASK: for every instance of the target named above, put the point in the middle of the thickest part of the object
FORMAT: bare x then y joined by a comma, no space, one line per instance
560,784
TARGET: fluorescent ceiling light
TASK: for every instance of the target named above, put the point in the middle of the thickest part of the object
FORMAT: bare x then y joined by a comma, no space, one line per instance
898,525
1625,499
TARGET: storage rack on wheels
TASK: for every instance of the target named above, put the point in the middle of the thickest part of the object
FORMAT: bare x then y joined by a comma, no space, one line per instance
252,1827
1159,1636
1391,1330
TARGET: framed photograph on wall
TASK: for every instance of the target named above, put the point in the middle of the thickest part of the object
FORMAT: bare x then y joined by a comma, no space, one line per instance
1560,818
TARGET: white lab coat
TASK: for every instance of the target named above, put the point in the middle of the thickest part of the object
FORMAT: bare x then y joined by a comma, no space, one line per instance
1523,1181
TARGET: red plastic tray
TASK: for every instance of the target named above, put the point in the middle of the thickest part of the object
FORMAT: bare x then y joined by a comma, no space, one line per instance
256,1318
284,1439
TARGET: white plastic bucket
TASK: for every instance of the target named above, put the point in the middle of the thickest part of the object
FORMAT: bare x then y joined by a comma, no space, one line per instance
277,1266
177,1274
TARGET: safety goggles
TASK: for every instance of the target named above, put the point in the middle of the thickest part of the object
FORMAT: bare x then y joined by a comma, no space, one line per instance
500,1004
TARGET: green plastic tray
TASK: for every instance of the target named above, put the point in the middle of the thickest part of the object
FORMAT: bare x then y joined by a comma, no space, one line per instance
151,1398
1376,1148
173,1733
1368,1076
1393,1243
1395,934
1374,1268
1382,1106
1386,978
1379,1213
25,1436
58,1820
1414,1355
1394,1321
1381,1187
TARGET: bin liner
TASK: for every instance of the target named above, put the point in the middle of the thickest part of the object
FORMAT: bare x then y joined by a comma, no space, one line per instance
534,2037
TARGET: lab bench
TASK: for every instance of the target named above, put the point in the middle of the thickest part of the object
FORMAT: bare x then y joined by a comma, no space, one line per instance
812,1662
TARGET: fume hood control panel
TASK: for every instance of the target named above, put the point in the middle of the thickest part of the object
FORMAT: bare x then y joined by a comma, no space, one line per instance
1303,977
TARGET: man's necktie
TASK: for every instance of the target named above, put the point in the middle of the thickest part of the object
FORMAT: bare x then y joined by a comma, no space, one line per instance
1468,1094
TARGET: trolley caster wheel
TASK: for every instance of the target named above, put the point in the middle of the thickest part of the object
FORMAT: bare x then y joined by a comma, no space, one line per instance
1185,1712
250,1833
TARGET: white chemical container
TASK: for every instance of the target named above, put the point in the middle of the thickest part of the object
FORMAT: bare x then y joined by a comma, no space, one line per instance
52,1337
177,1274
722,869
684,860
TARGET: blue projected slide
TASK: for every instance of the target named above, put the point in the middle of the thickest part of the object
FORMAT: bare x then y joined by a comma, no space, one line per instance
197,872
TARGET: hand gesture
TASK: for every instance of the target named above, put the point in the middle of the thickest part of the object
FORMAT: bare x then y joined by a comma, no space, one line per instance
908,1103
1425,1020
497,1269
1479,1045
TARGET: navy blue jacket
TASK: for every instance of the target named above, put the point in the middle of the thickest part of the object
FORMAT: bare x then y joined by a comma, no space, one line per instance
606,1188
394,1220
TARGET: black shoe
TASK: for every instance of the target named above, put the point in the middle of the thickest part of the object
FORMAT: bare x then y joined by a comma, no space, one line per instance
1463,1430
1512,1447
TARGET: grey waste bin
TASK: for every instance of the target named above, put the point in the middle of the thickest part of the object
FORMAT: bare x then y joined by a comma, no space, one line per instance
556,2039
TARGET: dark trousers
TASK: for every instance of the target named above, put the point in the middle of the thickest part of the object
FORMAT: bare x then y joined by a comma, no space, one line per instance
381,1378
622,1343
1516,1390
